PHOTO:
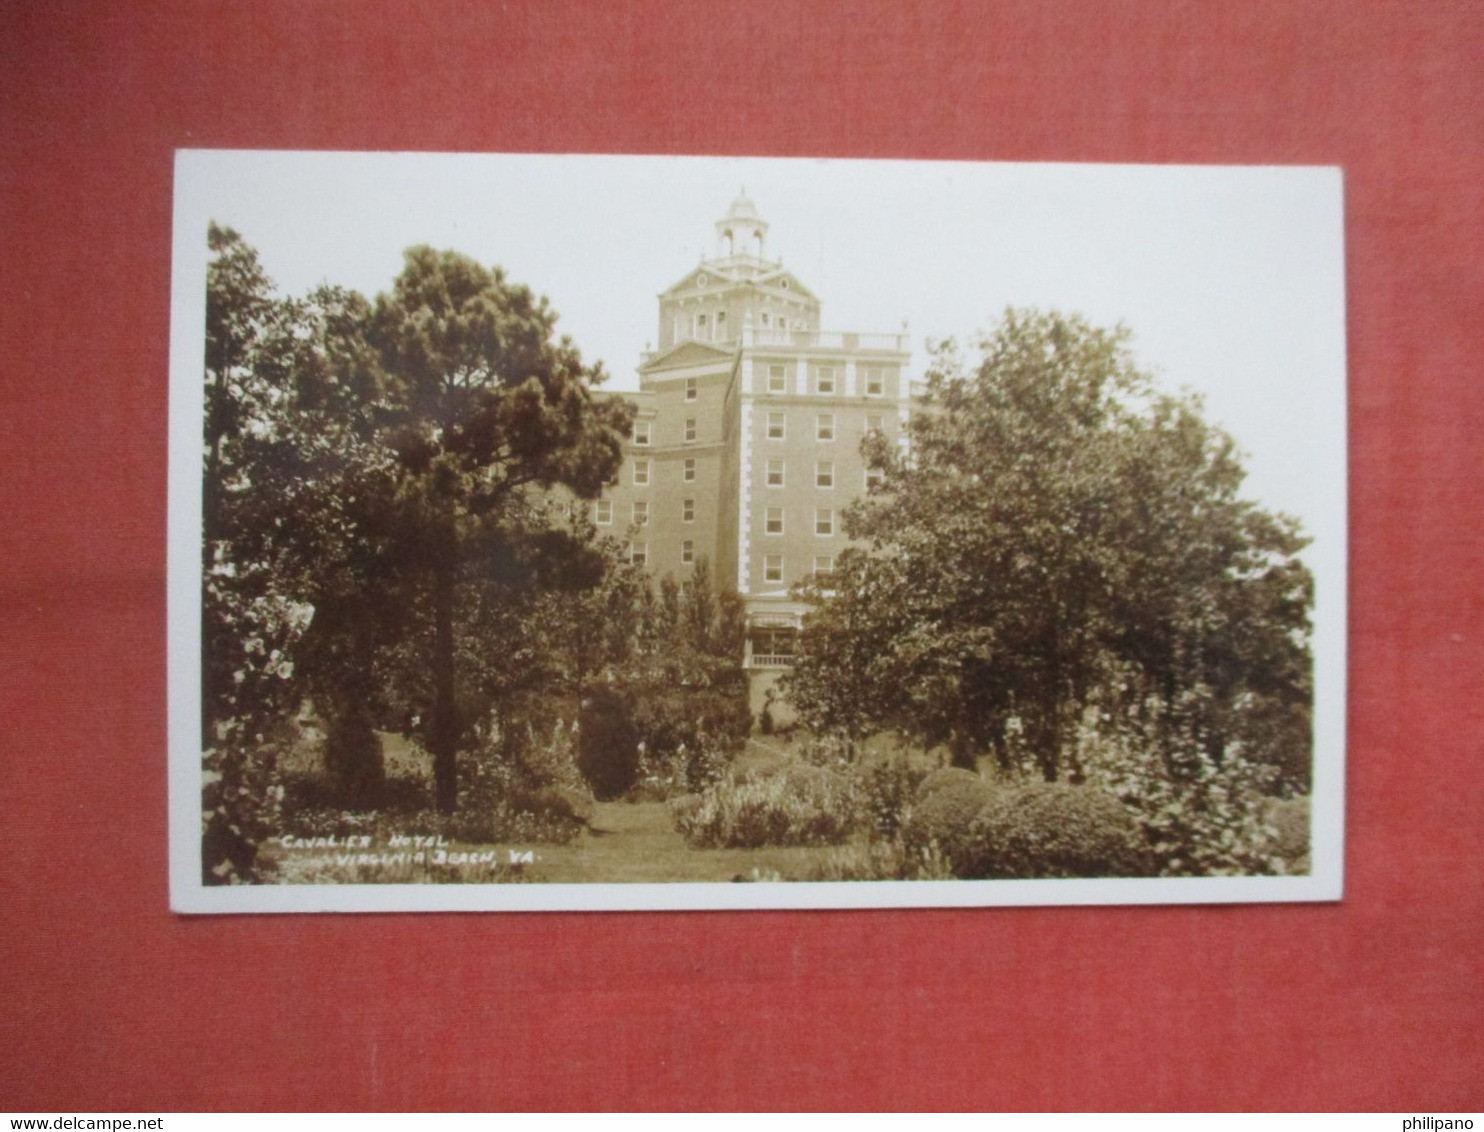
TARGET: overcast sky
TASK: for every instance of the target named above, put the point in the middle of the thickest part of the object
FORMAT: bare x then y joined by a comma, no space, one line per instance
1231,279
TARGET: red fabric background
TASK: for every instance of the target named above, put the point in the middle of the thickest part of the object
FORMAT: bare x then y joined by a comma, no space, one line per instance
109,1002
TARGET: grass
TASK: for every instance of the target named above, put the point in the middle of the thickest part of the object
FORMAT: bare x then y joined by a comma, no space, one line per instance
635,842
626,843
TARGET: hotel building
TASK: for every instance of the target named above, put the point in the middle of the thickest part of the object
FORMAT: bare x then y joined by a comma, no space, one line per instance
746,447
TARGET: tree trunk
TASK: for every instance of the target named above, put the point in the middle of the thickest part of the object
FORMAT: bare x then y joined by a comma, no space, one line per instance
1048,745
443,735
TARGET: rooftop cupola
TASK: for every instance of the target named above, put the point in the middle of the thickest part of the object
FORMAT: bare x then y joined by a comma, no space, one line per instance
741,231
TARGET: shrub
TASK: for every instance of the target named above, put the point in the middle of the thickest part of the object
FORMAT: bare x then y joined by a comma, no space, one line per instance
521,783
889,786
943,813
1289,818
241,804
800,805
687,738
943,777
1051,829
608,746
757,767
1200,817
664,775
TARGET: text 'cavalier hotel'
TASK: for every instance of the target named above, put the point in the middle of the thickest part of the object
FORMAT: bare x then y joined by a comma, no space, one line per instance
746,447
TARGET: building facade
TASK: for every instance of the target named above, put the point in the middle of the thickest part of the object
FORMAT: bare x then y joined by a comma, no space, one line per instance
746,447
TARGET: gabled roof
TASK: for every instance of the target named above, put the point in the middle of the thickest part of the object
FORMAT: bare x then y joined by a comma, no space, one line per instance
776,277
688,353
725,276
688,280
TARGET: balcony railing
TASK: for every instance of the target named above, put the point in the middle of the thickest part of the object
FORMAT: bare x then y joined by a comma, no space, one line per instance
771,660
823,339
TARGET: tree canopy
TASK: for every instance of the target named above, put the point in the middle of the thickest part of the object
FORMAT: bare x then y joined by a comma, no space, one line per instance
379,475
1061,543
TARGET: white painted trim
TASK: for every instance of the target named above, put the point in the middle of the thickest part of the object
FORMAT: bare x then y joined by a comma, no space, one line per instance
744,493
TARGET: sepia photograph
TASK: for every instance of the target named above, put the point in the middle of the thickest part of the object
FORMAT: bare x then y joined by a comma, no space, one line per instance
617,532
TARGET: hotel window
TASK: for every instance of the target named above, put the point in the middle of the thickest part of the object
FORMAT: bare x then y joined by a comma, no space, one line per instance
721,325
824,563
824,428
691,392
641,512
873,422
777,379
773,568
824,473
690,430
700,326
875,382
638,553
689,472
775,473
824,379
824,521
775,426
641,434
773,524
688,511
687,551
766,320
641,473
875,477
603,511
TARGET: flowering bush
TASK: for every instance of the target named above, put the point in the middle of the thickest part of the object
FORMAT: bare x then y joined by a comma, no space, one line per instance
800,805
888,787
1200,817
241,803
522,783
665,774
1051,829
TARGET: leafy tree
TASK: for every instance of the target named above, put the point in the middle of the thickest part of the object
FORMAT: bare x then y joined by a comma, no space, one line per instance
276,440
485,413
1063,543
378,497
249,618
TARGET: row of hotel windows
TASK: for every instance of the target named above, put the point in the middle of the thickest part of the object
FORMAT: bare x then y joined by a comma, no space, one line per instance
603,512
824,428
824,473
703,328
824,425
824,517
826,383
643,433
772,563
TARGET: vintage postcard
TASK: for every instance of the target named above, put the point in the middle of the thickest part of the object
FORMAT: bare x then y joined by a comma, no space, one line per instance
590,532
